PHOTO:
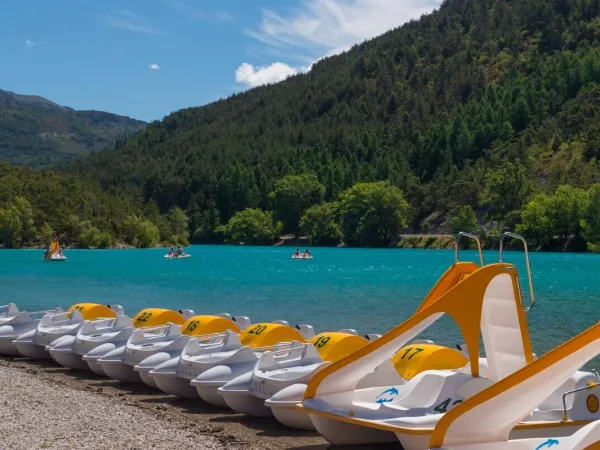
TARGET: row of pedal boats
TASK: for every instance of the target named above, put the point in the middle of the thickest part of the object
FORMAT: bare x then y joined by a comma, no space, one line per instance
351,389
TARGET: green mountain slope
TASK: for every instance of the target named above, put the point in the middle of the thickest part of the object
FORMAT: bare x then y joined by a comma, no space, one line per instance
412,106
35,131
476,114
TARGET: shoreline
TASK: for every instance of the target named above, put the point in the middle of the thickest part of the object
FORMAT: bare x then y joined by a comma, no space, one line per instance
45,395
406,241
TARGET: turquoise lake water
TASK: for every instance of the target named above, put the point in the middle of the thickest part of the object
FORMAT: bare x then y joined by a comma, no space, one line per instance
366,289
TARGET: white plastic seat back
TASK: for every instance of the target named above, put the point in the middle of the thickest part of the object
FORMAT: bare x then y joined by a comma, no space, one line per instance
118,309
168,332
431,388
9,310
93,327
242,321
222,343
298,355
307,331
63,318
500,329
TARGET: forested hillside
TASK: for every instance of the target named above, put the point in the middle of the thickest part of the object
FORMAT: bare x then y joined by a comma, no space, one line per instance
484,112
37,132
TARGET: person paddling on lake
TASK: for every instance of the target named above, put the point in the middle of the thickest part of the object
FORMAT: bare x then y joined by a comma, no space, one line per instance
179,252
297,254
306,254
171,252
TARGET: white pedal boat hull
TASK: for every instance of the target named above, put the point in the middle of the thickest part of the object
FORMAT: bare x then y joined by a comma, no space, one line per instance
13,327
34,344
208,383
273,372
126,363
342,433
174,376
283,406
69,351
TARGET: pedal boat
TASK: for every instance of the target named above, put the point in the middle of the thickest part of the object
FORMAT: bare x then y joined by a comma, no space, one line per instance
95,345
281,388
276,370
125,363
211,366
506,416
32,344
13,326
196,326
485,302
68,351
8,312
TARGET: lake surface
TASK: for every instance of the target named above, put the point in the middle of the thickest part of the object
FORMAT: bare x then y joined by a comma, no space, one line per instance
366,289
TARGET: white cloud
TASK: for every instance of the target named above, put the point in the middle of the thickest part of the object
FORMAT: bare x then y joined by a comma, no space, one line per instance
127,20
200,14
320,28
29,43
335,25
154,67
251,76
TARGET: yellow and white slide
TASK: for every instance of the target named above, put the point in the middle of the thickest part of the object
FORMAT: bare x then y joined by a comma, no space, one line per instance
499,418
485,302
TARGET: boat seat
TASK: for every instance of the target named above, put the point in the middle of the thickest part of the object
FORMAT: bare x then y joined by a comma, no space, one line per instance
555,400
433,390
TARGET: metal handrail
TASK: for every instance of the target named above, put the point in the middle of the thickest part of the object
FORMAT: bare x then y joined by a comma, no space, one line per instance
574,391
471,236
531,292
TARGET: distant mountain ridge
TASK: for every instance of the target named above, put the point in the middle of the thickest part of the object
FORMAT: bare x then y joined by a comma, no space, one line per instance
38,132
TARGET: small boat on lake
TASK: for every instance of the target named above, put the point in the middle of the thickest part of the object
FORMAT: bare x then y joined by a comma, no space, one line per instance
177,254
55,253
305,255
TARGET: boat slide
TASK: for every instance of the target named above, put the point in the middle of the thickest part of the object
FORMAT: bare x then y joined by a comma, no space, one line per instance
485,302
54,255
498,418
282,385
32,344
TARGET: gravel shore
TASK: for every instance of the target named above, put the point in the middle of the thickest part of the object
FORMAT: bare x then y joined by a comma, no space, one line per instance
44,406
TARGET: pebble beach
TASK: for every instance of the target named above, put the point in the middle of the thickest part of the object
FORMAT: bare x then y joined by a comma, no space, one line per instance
45,406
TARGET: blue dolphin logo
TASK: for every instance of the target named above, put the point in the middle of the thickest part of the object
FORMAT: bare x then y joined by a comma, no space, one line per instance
387,396
548,443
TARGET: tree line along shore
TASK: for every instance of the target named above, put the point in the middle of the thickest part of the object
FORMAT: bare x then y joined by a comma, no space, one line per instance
369,214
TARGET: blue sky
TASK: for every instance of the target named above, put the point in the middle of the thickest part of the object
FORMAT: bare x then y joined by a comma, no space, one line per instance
147,58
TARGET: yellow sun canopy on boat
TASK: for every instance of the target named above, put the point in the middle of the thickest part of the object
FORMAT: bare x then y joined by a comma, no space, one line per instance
156,317
92,311
267,334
